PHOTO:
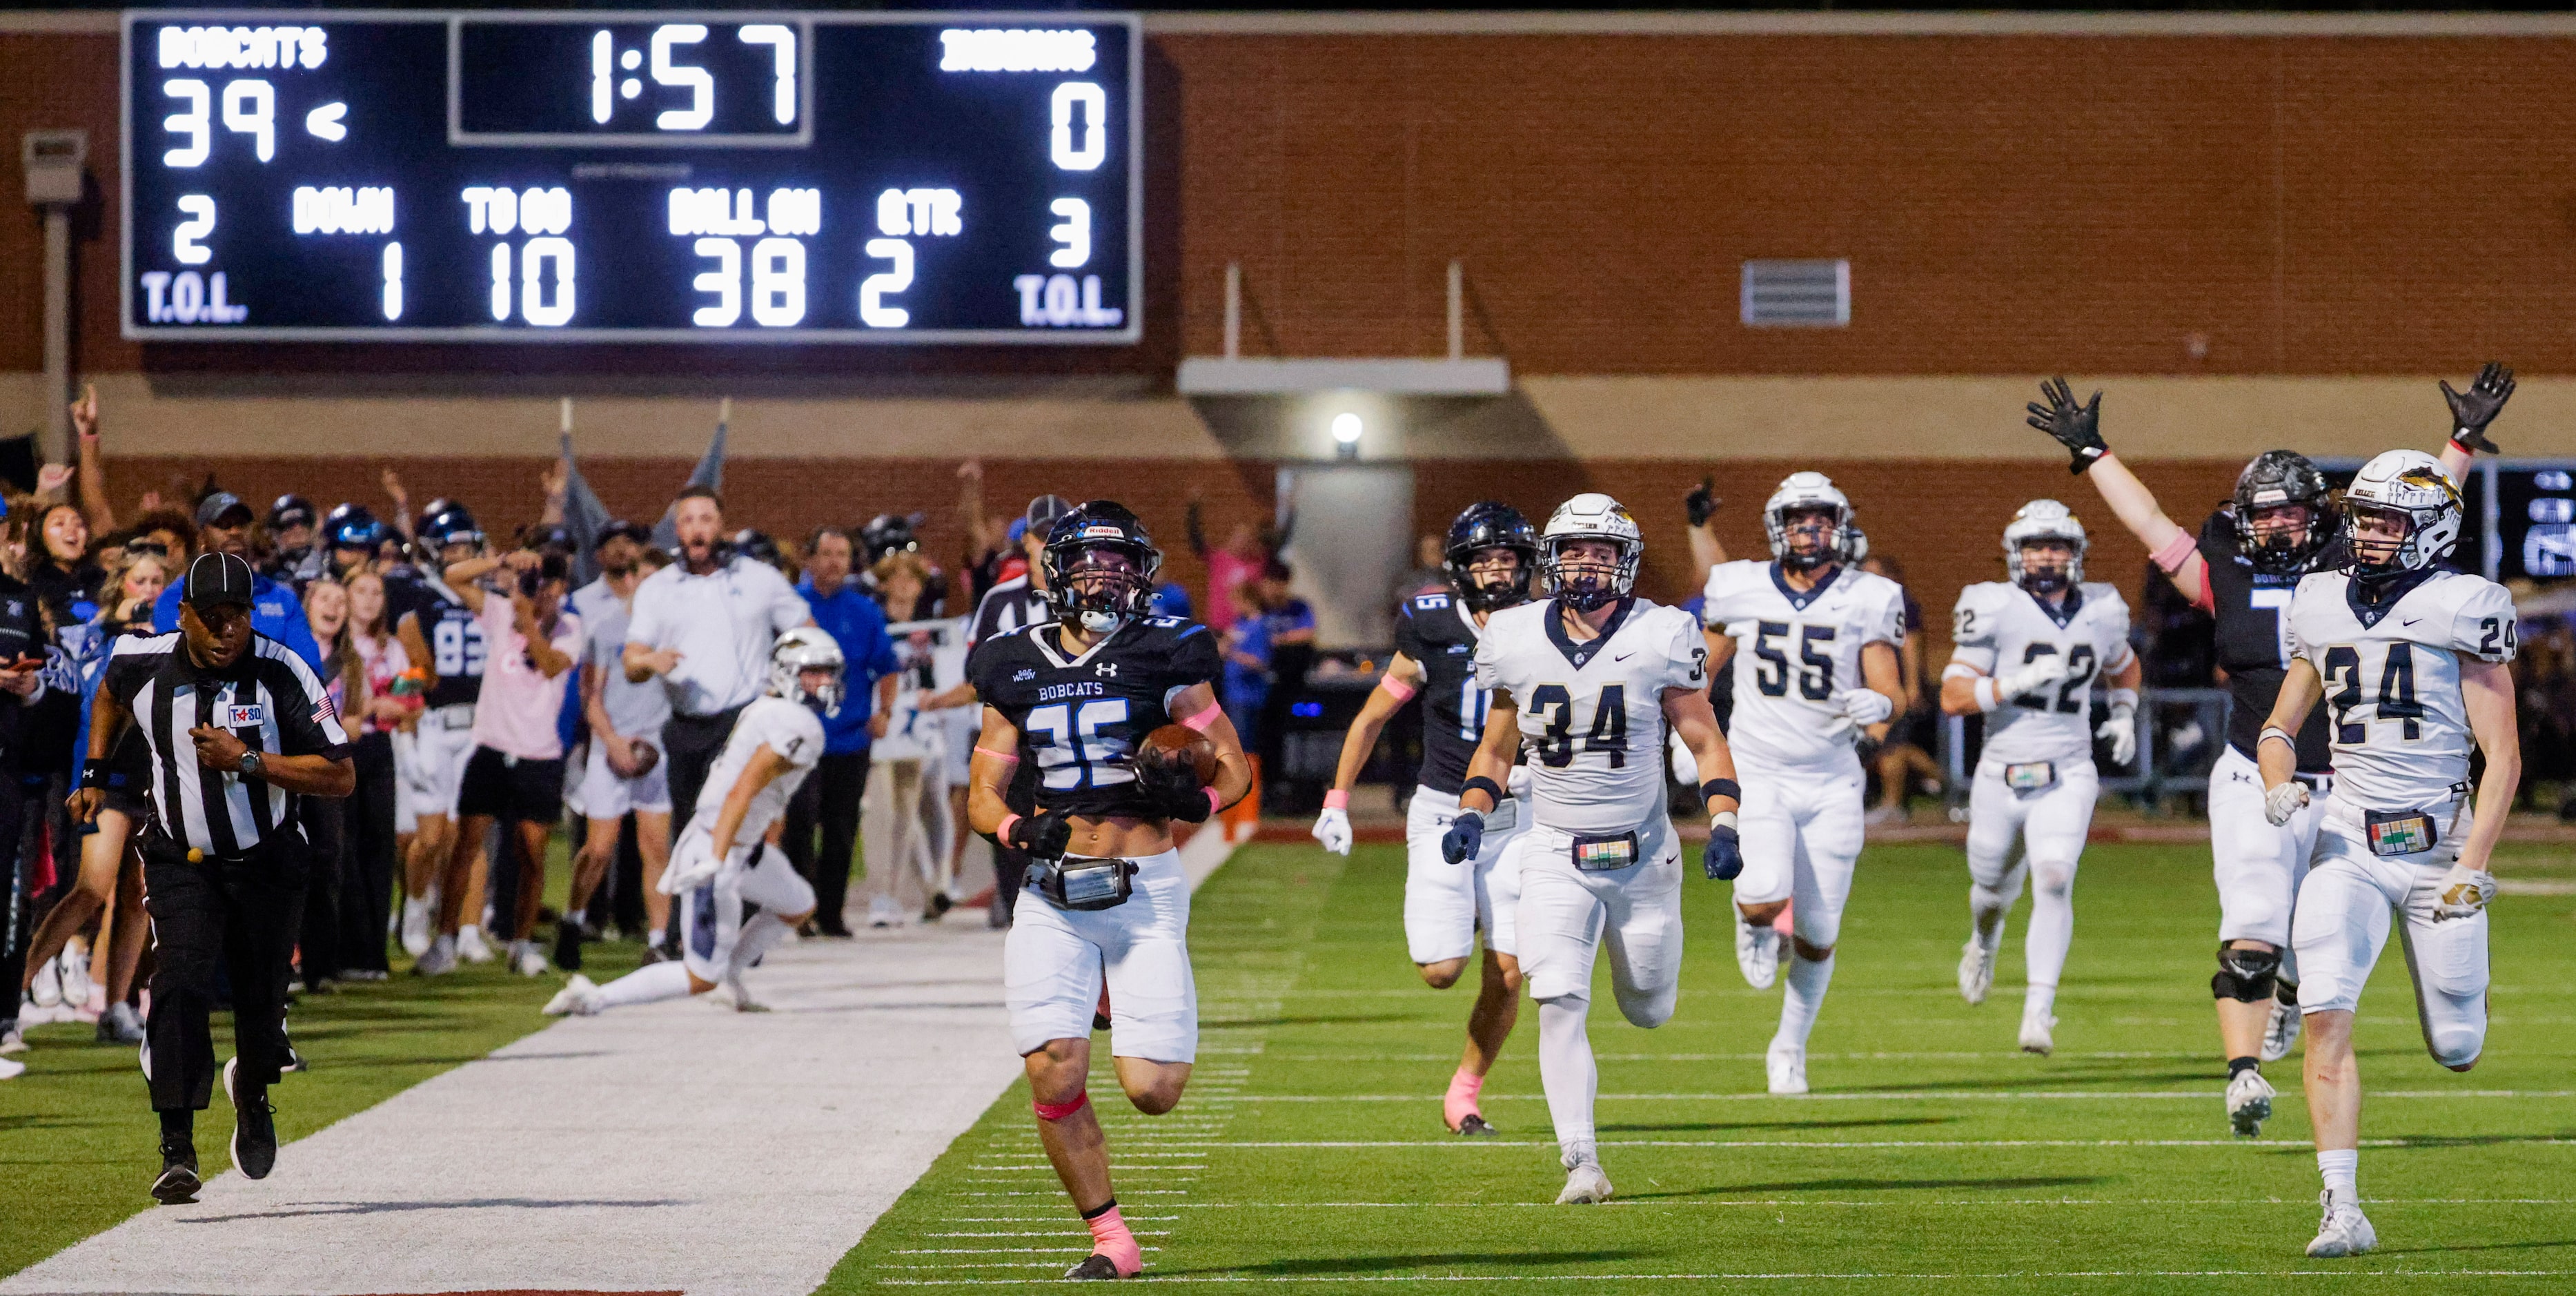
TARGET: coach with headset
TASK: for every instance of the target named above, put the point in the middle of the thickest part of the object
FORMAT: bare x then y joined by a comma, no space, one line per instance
236,727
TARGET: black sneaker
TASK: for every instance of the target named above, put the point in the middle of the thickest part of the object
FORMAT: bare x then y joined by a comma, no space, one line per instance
178,1183
568,946
254,1125
653,953
1474,1126
1094,1267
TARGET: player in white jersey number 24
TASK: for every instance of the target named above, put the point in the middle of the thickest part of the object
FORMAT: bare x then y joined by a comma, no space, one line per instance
774,745
2412,663
2029,651
1813,643
1588,679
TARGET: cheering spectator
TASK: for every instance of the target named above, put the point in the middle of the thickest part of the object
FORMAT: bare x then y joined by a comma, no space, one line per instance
624,773
1247,665
366,663
224,526
829,798
1229,568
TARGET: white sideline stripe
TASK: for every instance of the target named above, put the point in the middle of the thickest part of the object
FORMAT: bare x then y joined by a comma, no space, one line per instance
1868,1143
1905,1095
1085,1235
1766,1277
1764,1203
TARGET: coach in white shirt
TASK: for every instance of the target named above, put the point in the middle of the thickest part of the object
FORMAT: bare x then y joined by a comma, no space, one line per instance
705,625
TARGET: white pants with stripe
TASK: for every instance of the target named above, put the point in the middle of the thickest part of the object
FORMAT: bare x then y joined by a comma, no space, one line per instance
2353,897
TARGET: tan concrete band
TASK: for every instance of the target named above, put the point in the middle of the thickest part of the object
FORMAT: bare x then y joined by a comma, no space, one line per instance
1583,418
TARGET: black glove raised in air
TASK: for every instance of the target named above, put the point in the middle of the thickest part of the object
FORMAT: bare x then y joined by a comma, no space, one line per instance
2076,427
1043,835
1702,502
2473,409
1173,786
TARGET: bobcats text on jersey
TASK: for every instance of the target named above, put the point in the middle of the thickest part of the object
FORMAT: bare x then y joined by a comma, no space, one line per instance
1081,715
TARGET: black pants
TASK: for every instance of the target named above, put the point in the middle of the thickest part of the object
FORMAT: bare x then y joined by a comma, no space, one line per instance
367,874
690,745
235,916
317,911
17,908
828,801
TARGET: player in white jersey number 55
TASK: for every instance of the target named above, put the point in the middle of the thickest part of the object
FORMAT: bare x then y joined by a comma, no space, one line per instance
2412,664
1588,679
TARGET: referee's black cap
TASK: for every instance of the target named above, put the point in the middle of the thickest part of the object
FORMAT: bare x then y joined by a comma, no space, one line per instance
215,579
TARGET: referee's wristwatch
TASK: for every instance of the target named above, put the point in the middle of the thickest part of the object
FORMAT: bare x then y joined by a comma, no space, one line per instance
253,764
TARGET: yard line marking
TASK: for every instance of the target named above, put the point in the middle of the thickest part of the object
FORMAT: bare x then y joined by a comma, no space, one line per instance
1026,1250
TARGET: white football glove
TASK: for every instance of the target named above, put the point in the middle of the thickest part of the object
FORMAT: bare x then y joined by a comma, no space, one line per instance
2284,801
2121,731
2048,669
1333,828
1867,706
691,869
1518,781
1685,765
2464,894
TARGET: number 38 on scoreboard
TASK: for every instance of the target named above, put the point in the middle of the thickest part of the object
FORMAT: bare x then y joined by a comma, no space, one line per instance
494,177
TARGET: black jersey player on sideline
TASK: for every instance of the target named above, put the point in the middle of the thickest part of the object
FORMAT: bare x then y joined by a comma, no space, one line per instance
1105,898
1491,553
2248,558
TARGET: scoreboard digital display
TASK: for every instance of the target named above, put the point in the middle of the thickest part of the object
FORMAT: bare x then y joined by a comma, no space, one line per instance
624,177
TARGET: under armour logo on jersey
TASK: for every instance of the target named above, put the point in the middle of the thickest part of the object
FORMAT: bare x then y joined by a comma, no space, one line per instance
1024,673
1457,648
1106,669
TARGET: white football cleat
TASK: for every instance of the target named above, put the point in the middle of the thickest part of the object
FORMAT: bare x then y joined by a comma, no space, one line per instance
1585,1183
2035,1036
415,926
2344,1231
1787,1065
578,997
46,989
884,912
76,982
1757,951
1976,970
470,946
2249,1103
2281,1034
11,1068
526,959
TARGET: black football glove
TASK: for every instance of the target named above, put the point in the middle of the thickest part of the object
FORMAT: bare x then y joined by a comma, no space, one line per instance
1724,857
1173,786
1702,502
1465,838
2076,427
2472,410
1043,835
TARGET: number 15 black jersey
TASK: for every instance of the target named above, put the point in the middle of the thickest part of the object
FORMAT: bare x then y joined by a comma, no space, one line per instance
1081,715
1440,636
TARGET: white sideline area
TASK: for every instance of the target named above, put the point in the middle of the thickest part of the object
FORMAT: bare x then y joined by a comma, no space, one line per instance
673,1146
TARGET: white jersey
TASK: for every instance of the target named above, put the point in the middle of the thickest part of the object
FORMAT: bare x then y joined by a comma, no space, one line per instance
1999,627
2394,712
1592,714
790,729
1795,654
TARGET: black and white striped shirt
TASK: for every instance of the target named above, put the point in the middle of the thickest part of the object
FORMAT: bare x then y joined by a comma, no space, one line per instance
270,700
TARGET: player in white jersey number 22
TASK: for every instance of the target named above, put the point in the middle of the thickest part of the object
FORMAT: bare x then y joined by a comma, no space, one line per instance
2028,654
1588,679
1813,643
2412,664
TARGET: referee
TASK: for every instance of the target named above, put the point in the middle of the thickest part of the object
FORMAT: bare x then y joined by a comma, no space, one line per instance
236,727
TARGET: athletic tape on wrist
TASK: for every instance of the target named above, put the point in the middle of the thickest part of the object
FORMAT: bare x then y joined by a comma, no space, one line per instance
1337,799
1722,819
1051,1112
2124,699
1207,716
2175,552
1482,784
2275,732
1986,699
1007,758
1396,688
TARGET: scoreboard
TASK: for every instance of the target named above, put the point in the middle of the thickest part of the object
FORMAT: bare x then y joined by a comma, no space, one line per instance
631,177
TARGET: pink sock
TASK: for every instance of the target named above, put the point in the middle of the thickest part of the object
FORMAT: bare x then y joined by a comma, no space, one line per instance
1461,1100
1109,1237
1785,924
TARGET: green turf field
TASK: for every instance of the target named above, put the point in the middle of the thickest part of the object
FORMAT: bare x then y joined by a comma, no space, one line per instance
1932,1156
79,1144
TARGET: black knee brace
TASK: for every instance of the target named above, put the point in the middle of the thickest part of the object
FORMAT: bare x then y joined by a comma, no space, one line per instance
2248,976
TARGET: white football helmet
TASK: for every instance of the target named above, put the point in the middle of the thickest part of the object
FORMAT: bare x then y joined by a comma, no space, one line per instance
798,651
2410,483
2044,519
1590,516
1807,490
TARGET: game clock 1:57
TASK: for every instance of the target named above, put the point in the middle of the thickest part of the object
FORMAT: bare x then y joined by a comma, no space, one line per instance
632,177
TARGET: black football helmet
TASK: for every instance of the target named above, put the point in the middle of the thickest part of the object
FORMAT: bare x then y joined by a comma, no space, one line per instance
1080,587
888,533
1488,525
2275,478
447,524
291,511
352,526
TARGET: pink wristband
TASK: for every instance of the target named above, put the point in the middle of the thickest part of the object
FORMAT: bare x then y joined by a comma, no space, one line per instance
2171,557
1203,719
1002,831
1337,799
1396,688
1007,758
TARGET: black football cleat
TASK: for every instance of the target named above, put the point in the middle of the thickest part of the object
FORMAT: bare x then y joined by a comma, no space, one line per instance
1473,1126
568,936
1100,1011
178,1183
1094,1268
254,1125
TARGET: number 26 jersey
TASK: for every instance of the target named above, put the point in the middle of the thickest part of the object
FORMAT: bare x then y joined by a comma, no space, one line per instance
2394,712
1795,653
1592,713
2000,627
1081,715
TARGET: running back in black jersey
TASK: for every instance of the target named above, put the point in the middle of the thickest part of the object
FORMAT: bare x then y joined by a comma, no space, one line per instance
1440,636
1081,716
2252,609
455,640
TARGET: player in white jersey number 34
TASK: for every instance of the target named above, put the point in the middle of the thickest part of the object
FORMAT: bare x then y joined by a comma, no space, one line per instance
2029,651
1588,679
2411,662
